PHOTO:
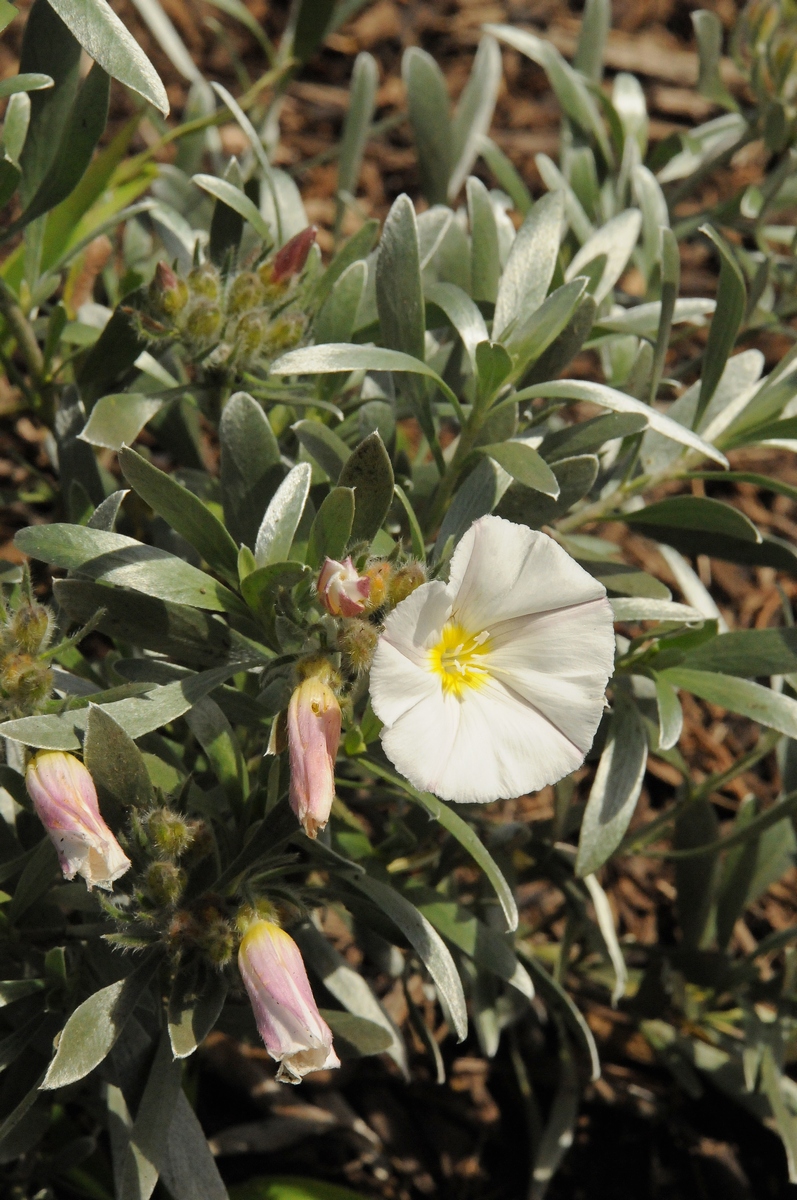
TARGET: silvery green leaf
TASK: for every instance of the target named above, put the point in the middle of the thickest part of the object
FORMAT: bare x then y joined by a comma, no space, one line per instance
474,111
348,987
570,87
708,31
530,266
485,261
671,717
639,608
616,239
117,420
235,199
93,1027
399,292
356,128
605,917
606,397
759,703
615,791
463,314
707,142
169,40
427,943
282,516
106,40
628,99
428,103
555,181
643,319
336,320
735,391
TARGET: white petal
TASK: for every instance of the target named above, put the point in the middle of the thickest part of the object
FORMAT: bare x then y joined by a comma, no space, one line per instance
489,745
421,741
400,677
398,683
560,662
501,570
416,624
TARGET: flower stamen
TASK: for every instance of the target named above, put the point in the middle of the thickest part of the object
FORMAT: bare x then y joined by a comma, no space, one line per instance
457,659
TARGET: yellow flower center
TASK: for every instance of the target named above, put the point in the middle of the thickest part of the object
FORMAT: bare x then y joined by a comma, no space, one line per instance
458,659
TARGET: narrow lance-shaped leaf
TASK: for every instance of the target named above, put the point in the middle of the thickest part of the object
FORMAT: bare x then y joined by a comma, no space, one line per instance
530,266
725,324
739,695
106,39
607,397
238,201
474,112
362,95
616,789
94,1026
428,102
282,516
427,943
670,283
184,511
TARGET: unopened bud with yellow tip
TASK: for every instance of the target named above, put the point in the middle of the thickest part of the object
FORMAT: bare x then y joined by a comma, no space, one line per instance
357,642
404,581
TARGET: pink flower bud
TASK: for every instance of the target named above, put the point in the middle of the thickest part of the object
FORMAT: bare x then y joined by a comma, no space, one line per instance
293,255
65,800
341,590
313,738
294,1032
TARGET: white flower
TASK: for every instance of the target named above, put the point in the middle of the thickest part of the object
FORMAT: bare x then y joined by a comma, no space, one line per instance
493,685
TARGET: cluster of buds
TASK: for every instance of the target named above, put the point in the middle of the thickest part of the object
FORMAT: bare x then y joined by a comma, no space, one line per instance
65,800
171,837
361,600
358,601
26,679
236,321
204,925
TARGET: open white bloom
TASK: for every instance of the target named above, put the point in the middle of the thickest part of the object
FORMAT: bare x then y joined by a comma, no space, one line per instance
493,685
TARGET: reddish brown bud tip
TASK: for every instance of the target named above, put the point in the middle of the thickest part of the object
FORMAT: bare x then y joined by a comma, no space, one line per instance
293,255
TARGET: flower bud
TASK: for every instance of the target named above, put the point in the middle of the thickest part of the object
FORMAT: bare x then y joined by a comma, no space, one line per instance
250,331
341,590
30,628
166,882
379,574
358,643
291,258
294,1032
26,680
169,832
204,281
405,581
246,292
65,800
203,321
313,738
284,334
167,292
